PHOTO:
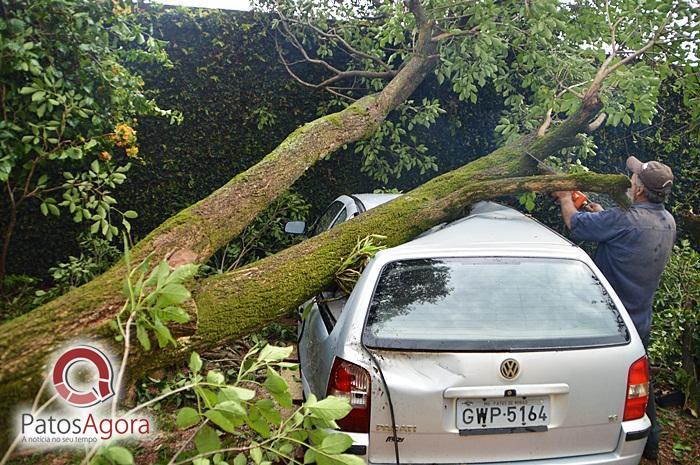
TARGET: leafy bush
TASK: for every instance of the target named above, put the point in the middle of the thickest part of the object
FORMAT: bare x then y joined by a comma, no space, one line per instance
262,403
96,255
675,336
69,104
18,296
22,293
246,416
262,237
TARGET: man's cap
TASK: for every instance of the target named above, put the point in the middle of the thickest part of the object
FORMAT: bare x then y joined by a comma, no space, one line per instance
654,175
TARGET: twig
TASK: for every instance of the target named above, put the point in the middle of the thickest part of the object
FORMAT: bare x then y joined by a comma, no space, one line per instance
184,444
447,35
122,368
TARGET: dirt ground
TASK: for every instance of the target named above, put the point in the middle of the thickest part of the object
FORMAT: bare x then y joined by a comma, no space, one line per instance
680,438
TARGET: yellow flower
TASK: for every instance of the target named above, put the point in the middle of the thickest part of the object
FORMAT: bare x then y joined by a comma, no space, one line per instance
131,152
124,135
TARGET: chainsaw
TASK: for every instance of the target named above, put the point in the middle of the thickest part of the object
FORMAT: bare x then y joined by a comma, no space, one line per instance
579,198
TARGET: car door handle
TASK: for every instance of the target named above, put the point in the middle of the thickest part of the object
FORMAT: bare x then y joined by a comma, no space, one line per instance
497,391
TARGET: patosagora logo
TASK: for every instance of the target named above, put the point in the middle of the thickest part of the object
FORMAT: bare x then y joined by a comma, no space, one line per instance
80,412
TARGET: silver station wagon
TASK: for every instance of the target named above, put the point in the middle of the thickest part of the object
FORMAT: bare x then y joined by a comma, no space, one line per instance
491,339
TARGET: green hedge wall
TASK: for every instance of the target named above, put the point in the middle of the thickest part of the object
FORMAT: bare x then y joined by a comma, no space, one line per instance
238,103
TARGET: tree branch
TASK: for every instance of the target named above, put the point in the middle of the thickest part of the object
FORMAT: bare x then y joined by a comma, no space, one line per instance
416,8
447,35
596,123
545,125
350,49
605,69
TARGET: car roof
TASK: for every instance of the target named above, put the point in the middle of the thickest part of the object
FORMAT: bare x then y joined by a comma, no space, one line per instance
489,225
370,201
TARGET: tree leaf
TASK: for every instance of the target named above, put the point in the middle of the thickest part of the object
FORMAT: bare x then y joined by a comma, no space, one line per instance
207,440
210,398
309,456
274,354
220,420
232,406
120,455
175,314
182,273
186,417
162,334
255,452
274,382
330,408
195,362
240,459
172,294
283,398
336,443
235,393
340,459
270,413
215,377
259,425
142,336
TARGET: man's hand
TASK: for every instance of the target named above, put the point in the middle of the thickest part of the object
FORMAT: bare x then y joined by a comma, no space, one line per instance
558,195
594,207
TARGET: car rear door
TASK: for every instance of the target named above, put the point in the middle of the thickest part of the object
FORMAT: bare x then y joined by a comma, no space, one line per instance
324,310
447,333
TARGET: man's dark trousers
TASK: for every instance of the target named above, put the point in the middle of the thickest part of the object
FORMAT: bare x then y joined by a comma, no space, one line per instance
653,439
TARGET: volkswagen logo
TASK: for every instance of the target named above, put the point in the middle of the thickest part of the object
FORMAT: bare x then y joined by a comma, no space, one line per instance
510,369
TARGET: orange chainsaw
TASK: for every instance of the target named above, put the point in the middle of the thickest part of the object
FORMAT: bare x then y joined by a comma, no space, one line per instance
579,198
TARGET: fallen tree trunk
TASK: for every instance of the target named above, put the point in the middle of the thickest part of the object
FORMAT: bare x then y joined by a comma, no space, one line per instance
234,304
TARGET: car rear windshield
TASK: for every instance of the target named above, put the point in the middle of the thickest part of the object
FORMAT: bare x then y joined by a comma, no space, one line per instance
491,304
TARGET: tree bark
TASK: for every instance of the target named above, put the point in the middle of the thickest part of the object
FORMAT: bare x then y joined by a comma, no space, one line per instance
230,305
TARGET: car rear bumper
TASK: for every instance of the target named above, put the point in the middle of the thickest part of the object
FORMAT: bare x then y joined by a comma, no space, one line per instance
629,449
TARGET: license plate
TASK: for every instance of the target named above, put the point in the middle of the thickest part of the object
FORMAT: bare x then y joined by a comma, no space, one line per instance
503,413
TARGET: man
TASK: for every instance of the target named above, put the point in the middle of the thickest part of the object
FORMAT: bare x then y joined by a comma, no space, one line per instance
633,248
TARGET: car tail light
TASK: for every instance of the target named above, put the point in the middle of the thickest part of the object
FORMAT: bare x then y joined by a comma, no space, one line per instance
351,382
637,390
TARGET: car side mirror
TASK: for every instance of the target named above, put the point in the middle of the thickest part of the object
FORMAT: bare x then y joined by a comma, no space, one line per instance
295,227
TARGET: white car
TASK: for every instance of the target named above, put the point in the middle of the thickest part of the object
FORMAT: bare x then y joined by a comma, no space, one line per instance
491,339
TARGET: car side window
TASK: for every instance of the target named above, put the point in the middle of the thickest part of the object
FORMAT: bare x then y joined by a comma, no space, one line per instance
328,216
342,216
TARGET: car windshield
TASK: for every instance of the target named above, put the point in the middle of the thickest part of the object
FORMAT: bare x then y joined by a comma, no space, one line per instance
494,304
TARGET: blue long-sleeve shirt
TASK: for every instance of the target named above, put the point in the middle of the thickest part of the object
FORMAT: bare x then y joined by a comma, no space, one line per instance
634,246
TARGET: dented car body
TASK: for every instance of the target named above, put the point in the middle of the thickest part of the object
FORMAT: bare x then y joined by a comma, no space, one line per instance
491,339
